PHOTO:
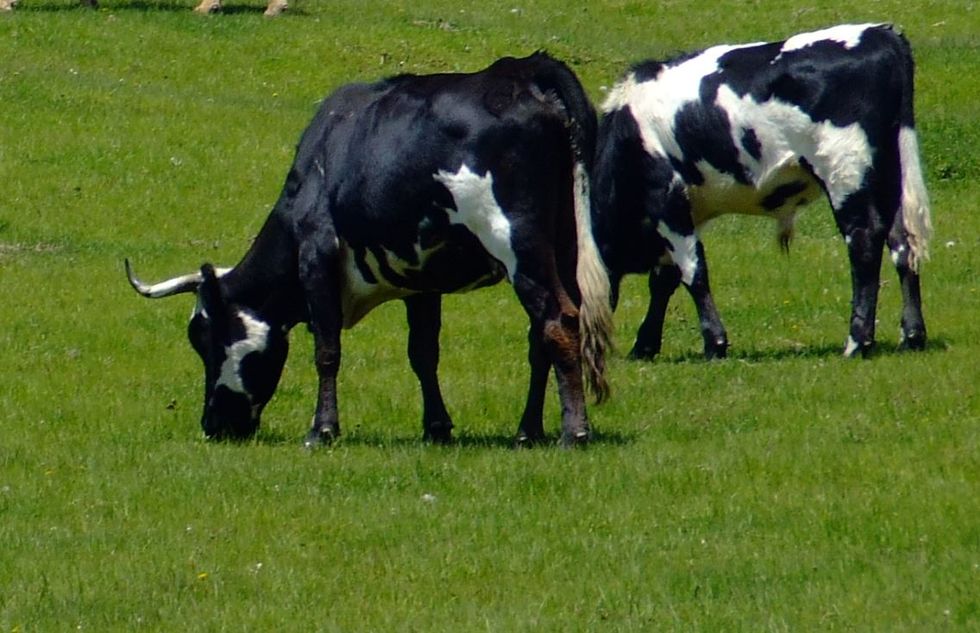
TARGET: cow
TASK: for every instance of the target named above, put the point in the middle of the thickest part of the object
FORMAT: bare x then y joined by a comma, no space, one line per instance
274,8
762,129
410,188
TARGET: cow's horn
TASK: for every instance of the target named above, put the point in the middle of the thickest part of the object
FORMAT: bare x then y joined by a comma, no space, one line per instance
177,285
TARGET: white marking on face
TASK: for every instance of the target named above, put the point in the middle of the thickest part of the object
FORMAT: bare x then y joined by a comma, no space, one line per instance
478,211
683,251
256,339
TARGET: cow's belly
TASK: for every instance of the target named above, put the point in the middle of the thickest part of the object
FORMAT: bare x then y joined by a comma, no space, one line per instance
453,249
372,276
777,194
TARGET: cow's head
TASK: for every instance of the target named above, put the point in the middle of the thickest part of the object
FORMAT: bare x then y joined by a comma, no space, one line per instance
243,354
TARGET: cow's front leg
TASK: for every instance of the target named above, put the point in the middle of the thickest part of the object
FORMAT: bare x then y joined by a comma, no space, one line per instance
663,282
319,273
424,313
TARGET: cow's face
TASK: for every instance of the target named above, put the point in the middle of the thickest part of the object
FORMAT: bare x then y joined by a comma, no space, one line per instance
243,359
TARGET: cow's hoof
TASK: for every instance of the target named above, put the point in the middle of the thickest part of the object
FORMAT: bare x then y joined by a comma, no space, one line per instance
438,434
853,349
915,341
525,439
643,353
317,438
716,349
575,438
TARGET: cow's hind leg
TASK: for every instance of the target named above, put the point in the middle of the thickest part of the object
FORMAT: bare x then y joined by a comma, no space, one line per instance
663,282
865,238
554,323
424,322
913,324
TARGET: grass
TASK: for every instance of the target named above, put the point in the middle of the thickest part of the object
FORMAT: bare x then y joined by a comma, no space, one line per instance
783,489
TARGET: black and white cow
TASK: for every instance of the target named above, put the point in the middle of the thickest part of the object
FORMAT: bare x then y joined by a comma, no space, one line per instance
762,129
406,189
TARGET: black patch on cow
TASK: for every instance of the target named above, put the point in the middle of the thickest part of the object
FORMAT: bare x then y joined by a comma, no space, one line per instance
393,278
704,132
630,189
362,266
645,71
781,195
751,144
688,170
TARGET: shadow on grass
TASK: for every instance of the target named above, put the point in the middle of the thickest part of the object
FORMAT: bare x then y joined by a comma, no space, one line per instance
486,441
759,355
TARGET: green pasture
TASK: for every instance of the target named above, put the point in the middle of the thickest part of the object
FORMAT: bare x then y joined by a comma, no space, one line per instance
782,489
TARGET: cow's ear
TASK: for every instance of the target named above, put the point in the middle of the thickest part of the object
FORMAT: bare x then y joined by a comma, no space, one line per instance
212,300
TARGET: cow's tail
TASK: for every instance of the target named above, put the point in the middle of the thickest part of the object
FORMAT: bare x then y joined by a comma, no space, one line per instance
916,216
915,199
595,312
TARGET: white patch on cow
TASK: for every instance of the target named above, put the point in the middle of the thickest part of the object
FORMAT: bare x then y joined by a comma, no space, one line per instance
256,339
851,347
847,34
683,251
839,156
655,103
683,81
843,157
478,211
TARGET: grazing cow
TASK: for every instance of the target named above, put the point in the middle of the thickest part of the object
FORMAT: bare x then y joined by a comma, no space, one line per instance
762,129
274,8
406,189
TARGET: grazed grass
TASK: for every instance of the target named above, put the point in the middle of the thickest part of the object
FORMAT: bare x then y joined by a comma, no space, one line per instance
781,489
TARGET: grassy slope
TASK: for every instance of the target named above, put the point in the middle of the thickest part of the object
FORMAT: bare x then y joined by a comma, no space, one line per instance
782,489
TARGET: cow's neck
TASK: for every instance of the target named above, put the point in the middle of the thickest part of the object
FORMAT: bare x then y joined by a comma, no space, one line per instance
266,280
